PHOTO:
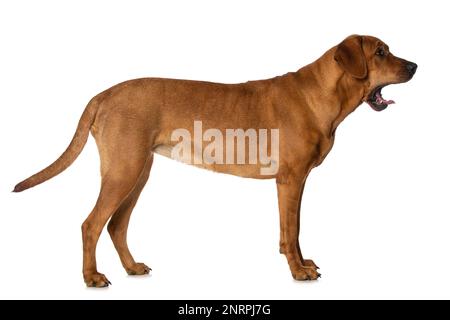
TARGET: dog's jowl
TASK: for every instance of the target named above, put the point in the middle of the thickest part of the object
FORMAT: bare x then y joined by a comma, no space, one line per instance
301,110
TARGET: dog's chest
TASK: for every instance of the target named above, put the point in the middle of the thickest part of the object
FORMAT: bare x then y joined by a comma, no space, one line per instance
324,146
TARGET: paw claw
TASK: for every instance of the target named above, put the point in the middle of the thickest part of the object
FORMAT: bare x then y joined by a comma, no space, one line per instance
96,280
305,273
138,269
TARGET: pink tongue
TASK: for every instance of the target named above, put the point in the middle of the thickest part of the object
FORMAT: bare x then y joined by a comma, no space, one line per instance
380,99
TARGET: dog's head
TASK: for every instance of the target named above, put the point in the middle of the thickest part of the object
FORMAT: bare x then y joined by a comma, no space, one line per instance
368,59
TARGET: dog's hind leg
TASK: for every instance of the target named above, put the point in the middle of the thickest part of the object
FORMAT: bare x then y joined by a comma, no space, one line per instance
122,165
118,225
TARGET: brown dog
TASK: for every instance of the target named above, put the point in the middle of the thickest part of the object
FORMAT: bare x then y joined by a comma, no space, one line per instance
135,119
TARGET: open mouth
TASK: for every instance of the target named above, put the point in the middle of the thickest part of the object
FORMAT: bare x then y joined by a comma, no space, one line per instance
376,100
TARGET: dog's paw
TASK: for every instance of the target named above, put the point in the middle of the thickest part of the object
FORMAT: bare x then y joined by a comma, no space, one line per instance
96,280
305,273
310,263
138,269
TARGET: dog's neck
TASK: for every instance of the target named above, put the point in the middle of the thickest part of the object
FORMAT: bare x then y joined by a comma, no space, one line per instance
339,94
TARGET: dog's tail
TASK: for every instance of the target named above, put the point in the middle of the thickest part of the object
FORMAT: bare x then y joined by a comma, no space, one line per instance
68,157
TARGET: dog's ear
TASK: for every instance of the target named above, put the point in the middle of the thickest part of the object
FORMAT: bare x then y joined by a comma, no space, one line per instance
350,57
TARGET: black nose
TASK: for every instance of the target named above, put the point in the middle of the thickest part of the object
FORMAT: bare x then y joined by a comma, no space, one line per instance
411,67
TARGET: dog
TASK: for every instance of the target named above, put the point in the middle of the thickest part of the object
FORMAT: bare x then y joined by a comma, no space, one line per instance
135,119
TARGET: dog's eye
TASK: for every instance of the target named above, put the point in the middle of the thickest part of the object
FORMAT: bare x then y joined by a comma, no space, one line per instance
380,52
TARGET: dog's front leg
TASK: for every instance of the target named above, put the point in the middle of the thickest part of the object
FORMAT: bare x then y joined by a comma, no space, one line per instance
289,198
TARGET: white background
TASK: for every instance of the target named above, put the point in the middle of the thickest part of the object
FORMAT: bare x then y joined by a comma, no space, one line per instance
375,215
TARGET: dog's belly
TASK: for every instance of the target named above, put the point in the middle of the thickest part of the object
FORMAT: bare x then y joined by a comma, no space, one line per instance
246,170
